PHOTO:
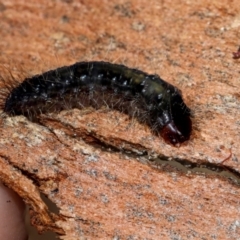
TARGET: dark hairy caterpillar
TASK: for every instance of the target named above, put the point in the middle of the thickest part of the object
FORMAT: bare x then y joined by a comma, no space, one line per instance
146,97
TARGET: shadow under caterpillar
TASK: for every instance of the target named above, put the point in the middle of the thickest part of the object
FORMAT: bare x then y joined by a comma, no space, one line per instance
146,97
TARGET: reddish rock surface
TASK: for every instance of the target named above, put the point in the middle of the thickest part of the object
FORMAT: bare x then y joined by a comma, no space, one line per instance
94,164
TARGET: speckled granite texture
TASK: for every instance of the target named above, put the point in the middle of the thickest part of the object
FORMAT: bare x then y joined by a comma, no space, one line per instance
94,164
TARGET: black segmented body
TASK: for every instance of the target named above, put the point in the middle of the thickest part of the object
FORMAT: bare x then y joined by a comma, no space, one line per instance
147,97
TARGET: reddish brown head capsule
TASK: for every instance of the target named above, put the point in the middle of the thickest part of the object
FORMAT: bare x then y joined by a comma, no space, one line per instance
177,134
236,55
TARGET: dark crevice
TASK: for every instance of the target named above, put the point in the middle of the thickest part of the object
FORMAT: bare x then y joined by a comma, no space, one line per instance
52,207
137,150
182,165
33,233
187,167
26,173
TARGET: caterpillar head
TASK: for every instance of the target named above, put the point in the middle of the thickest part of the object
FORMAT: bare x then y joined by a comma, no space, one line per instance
178,132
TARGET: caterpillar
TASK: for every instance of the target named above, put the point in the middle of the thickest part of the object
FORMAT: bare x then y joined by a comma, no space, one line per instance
148,98
236,55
